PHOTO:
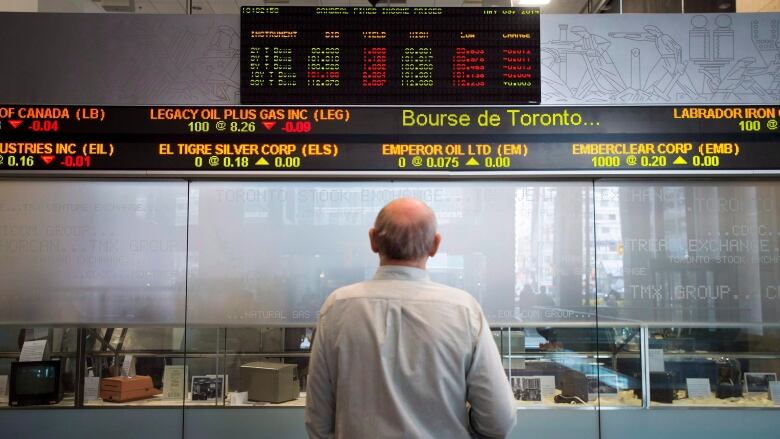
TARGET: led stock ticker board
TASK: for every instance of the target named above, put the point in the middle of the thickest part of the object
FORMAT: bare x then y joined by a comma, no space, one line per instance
389,55
406,141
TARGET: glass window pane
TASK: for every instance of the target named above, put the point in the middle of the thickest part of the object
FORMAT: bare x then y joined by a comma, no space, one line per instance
269,253
688,252
83,252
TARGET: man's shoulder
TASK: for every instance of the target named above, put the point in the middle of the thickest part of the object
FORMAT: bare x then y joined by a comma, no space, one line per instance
348,291
424,291
455,295
341,293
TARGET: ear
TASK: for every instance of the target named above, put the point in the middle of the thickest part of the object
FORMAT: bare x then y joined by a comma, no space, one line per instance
372,240
435,246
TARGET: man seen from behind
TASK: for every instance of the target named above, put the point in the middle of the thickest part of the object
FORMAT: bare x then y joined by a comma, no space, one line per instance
400,356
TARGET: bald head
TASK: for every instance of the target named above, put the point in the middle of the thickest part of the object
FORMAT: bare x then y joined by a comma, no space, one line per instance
405,230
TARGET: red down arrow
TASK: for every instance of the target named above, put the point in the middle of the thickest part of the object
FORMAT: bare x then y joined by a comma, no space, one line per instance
47,158
269,124
15,122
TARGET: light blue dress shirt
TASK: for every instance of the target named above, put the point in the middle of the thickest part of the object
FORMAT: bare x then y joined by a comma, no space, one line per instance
400,356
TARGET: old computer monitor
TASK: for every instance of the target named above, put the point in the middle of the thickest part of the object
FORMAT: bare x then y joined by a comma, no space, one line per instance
35,383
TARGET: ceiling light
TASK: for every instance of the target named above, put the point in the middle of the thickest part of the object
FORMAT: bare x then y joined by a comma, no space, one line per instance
118,5
530,2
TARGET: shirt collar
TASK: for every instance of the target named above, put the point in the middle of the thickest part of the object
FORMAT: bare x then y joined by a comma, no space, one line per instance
400,272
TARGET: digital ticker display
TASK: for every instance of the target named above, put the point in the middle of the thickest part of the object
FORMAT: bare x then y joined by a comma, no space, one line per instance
389,55
450,140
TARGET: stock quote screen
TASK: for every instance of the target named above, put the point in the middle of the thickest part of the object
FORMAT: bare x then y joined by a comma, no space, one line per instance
447,140
389,55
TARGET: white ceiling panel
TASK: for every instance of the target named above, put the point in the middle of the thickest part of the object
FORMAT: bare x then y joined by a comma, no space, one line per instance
168,6
224,6
201,7
145,7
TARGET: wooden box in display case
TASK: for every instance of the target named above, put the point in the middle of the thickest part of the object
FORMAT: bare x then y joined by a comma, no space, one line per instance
124,389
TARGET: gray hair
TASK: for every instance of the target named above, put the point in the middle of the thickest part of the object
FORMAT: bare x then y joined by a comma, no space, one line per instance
402,238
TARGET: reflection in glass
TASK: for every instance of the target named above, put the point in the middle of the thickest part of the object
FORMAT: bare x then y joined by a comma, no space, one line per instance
268,253
553,254
703,252
92,253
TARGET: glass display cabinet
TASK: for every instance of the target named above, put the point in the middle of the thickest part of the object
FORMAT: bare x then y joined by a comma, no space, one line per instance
582,366
116,352
234,354
181,371
550,367
611,366
714,367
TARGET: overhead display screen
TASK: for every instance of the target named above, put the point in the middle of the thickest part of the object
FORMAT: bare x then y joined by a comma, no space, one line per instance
591,140
389,55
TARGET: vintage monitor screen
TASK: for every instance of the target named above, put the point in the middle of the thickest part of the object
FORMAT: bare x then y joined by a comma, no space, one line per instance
389,55
35,382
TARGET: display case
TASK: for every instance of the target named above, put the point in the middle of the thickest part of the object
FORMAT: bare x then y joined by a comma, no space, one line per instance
209,354
647,287
136,351
96,269
695,264
727,367
574,366
197,367
547,366
229,354
714,367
